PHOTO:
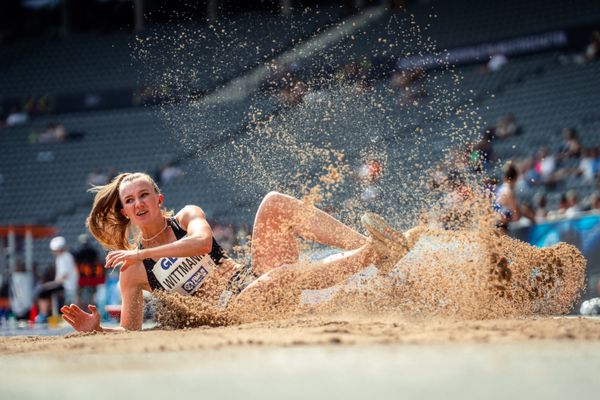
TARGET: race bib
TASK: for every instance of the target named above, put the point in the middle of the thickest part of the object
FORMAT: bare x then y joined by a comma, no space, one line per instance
183,275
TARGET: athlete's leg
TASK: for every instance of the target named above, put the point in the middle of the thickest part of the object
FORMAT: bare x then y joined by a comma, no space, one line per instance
328,272
281,219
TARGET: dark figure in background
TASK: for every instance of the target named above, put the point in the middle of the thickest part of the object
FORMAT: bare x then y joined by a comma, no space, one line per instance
482,154
507,126
86,258
85,253
43,293
571,146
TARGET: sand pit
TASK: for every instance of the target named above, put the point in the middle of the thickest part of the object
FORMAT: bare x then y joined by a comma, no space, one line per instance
345,356
343,330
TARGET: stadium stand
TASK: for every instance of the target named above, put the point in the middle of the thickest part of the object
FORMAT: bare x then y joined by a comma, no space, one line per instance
45,183
217,52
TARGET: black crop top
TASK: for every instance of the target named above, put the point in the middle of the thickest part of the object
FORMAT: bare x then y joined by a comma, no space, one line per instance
183,275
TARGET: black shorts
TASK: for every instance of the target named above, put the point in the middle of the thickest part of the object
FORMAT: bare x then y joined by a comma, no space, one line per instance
47,293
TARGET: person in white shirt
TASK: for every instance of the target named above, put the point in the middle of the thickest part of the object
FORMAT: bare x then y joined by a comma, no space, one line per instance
66,279
66,269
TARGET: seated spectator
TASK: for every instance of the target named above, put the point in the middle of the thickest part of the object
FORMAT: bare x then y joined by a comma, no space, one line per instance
482,154
528,216
571,146
55,133
531,177
370,173
545,166
506,206
16,117
541,204
496,63
562,208
573,207
169,173
21,294
86,253
97,178
507,126
592,50
588,164
595,201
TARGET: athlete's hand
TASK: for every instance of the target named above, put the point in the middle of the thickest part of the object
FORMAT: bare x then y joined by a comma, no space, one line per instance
121,258
81,320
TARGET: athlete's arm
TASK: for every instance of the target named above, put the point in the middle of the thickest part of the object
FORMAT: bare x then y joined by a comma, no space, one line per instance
131,283
197,242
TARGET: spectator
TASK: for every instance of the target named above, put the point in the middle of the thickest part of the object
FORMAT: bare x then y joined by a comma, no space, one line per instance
507,126
496,63
54,133
21,294
43,292
86,257
541,204
370,173
45,156
595,201
545,166
562,208
506,199
587,166
531,177
86,253
571,146
482,154
15,117
596,165
66,278
528,214
592,50
573,207
97,178
169,173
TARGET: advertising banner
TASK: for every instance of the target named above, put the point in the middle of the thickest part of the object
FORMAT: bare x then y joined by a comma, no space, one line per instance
583,232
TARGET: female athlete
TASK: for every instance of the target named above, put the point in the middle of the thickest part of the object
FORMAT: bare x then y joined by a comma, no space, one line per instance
178,253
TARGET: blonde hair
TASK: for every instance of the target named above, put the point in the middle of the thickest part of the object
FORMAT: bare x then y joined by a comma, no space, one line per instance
106,222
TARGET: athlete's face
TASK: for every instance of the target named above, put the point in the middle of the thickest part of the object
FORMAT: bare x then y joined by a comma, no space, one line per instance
141,204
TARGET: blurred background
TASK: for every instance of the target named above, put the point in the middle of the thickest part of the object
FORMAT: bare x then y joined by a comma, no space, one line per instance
199,94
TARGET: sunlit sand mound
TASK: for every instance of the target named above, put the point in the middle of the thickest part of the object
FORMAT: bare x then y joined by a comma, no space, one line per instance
464,275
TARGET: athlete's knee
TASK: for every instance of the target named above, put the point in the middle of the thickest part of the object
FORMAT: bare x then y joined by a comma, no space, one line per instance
275,199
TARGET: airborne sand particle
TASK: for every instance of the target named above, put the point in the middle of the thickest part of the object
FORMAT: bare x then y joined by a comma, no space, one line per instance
307,138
